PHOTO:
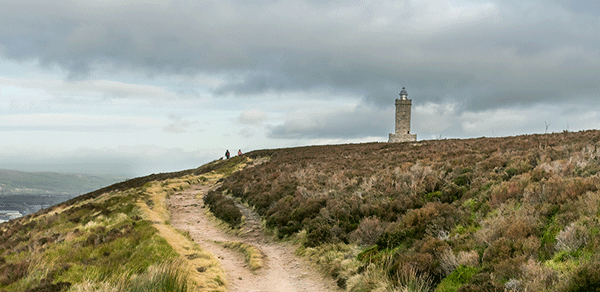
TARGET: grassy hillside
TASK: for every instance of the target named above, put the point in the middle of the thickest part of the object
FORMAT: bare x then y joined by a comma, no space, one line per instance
19,182
114,239
487,214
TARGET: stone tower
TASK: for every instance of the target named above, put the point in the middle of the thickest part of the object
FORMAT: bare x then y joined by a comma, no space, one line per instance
403,105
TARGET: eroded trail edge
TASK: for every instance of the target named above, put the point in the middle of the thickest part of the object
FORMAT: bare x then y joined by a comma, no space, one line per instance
282,270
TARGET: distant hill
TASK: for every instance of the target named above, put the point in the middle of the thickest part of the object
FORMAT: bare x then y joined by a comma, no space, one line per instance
14,182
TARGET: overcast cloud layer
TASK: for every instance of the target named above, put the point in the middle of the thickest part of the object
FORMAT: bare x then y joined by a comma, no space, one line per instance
197,77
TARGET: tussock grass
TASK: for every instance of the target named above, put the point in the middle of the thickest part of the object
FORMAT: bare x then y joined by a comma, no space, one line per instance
253,256
335,260
166,276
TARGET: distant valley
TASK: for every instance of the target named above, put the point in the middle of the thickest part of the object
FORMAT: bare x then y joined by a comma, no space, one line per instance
22,193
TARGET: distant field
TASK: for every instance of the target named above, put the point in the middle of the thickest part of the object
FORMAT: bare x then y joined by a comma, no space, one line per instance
27,183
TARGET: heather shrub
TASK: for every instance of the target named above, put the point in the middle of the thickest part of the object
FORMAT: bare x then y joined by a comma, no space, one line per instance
346,211
511,221
537,277
571,238
468,258
510,172
500,249
223,208
415,224
423,264
368,231
318,231
513,190
506,269
481,282
462,180
10,273
586,278
560,190
451,192
289,213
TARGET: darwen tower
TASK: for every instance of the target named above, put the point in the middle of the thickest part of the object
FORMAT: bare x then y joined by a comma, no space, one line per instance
403,105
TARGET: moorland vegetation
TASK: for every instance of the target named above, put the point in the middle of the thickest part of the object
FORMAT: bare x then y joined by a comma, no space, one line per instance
487,214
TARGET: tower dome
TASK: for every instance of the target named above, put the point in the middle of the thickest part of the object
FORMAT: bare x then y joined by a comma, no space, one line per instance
403,93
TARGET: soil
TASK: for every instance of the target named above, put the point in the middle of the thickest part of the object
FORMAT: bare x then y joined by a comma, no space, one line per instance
283,270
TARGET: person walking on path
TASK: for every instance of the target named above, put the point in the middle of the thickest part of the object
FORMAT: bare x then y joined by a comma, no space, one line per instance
227,153
240,152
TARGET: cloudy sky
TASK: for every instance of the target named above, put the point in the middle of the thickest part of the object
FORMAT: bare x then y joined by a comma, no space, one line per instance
136,87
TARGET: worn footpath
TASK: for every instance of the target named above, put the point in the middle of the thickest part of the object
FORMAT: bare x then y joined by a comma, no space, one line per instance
282,269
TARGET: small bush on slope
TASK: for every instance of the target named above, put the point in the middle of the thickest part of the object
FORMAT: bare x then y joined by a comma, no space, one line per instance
223,208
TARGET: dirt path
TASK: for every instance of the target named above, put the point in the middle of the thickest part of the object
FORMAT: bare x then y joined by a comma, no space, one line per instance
283,271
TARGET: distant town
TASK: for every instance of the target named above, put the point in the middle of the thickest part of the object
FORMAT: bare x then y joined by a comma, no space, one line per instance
15,206
23,193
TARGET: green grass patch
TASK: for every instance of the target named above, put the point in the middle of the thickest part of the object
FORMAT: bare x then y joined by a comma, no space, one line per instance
456,279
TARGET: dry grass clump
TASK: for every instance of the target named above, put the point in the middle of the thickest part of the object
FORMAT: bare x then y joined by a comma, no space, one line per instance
572,238
253,256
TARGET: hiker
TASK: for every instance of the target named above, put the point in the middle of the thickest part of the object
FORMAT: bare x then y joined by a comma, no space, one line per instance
227,153
240,152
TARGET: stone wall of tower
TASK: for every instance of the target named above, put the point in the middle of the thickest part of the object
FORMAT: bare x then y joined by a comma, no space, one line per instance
403,108
403,116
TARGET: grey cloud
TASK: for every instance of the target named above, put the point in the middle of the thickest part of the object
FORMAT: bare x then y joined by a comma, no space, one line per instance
101,89
362,122
484,60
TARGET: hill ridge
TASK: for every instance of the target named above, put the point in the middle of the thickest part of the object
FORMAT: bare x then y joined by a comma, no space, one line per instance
483,214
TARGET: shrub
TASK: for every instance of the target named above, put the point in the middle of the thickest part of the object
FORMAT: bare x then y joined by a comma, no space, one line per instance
50,287
368,231
481,282
318,231
538,277
448,262
10,273
407,263
223,208
571,238
469,259
586,278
